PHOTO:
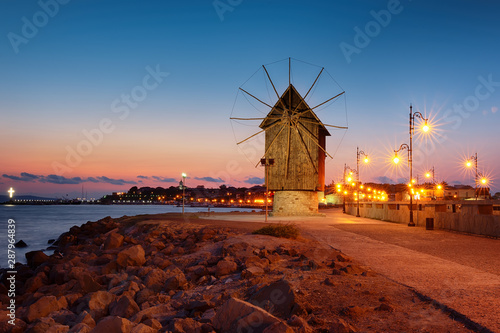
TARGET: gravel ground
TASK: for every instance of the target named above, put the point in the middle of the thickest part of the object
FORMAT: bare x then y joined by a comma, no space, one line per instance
460,273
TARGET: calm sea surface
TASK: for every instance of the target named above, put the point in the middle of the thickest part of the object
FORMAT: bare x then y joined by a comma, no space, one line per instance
35,225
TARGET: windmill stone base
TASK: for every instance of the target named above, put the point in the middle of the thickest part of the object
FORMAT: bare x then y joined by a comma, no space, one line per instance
295,203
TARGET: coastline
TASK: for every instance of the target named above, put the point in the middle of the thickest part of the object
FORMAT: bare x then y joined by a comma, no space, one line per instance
151,273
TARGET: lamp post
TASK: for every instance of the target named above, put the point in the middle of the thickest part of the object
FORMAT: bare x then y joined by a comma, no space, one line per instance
469,164
428,175
348,178
183,187
396,161
425,128
267,162
359,153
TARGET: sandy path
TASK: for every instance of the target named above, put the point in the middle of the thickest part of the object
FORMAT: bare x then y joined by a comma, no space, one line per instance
459,271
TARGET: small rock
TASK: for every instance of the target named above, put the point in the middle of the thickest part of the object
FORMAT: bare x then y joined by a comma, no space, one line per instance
384,307
342,258
132,256
300,323
36,258
113,324
42,308
252,271
142,328
341,326
124,307
80,328
186,325
113,241
329,282
225,267
21,244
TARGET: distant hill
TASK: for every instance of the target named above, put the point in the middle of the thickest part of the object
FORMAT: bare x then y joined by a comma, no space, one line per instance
5,198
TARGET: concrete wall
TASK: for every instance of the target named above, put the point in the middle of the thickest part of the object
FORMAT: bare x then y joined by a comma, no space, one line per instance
475,217
295,203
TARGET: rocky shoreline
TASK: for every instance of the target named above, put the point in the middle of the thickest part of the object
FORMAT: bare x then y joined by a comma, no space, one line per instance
166,273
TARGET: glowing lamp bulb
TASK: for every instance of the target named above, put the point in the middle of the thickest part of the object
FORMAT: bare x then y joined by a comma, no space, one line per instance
428,175
425,128
484,181
366,160
468,164
395,159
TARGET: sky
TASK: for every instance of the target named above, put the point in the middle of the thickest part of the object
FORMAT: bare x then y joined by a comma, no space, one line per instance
107,95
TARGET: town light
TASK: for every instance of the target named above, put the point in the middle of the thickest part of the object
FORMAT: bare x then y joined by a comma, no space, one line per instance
11,192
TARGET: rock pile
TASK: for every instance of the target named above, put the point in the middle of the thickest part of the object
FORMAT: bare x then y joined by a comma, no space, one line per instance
143,275
150,277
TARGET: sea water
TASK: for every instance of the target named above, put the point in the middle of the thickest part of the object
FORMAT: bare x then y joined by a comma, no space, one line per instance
37,224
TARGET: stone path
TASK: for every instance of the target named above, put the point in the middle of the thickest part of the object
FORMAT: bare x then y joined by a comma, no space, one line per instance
460,272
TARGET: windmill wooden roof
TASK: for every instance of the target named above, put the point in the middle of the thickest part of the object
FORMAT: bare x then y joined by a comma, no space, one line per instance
297,109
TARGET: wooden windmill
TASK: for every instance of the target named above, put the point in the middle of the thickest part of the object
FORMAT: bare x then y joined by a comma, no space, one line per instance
295,139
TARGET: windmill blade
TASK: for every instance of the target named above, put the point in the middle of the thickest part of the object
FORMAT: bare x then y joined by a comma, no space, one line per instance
269,77
270,145
326,125
315,140
303,99
314,83
270,117
328,100
288,152
251,136
279,99
305,147
246,92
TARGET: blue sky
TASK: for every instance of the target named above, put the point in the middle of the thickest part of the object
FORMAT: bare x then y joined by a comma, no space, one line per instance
63,79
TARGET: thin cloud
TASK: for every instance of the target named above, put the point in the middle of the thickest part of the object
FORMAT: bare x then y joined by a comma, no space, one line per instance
210,179
55,179
254,180
142,177
112,181
164,180
24,177
384,180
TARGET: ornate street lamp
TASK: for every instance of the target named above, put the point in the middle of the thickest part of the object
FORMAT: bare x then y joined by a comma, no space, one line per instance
267,162
468,164
425,128
396,161
359,153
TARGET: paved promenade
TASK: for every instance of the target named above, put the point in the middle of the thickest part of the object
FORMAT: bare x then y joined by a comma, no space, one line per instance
461,272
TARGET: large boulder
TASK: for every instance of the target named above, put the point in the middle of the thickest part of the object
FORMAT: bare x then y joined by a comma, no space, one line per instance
124,307
113,241
155,279
36,258
97,304
132,256
225,267
113,324
186,325
278,298
44,306
239,316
